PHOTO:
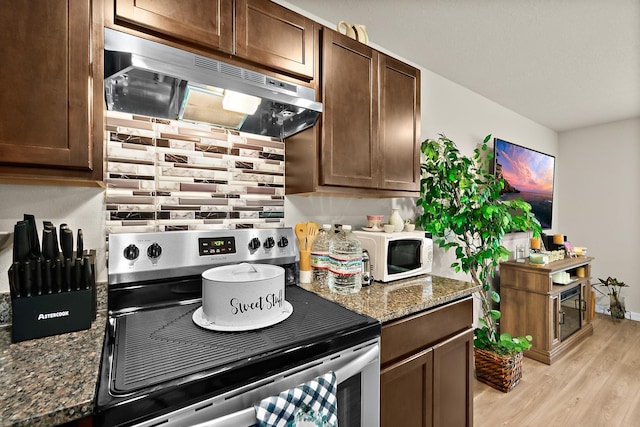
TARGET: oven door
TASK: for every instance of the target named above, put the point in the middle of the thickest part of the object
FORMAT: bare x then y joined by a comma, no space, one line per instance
358,374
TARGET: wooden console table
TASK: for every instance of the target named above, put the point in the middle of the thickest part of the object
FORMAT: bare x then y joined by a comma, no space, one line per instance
556,316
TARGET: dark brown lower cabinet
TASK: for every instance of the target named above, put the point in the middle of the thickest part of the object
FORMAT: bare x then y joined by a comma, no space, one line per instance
406,392
430,385
453,381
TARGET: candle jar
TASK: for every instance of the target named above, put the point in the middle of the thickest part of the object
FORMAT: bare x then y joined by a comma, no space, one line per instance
534,244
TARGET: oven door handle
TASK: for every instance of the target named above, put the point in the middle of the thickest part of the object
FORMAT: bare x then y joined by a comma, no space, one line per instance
357,364
248,416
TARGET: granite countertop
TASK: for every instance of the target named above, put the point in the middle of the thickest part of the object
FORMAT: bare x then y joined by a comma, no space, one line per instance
390,301
52,380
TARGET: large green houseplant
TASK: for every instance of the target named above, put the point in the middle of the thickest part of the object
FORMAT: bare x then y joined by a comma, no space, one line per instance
459,198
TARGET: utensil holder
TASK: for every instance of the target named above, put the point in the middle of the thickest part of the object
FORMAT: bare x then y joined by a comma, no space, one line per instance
305,266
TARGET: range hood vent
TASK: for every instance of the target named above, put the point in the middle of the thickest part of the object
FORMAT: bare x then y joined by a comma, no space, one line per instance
152,79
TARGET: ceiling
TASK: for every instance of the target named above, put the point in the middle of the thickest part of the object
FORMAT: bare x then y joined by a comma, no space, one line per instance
565,64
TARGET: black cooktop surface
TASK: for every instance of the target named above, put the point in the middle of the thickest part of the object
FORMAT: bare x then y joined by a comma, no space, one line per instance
158,346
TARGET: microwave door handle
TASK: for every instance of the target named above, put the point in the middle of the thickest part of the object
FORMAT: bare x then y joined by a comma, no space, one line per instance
248,416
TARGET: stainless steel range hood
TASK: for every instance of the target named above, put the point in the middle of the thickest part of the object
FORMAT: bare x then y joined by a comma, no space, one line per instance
148,78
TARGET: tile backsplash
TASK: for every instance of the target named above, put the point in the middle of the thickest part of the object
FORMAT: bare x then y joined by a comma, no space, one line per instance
164,175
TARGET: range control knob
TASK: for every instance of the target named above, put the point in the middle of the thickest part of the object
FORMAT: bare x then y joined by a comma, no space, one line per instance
282,242
254,244
154,250
269,243
131,252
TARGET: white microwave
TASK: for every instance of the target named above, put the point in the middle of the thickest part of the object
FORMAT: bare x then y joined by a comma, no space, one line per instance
395,256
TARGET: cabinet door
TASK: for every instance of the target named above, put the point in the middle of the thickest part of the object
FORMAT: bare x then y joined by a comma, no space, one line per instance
271,35
350,113
51,97
555,321
406,392
585,303
452,381
399,125
207,23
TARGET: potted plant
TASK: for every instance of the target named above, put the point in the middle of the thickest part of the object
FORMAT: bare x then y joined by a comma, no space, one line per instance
459,199
616,302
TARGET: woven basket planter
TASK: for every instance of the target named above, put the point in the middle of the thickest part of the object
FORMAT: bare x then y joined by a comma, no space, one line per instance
500,372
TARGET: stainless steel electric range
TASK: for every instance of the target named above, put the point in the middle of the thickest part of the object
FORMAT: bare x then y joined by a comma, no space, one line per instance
159,368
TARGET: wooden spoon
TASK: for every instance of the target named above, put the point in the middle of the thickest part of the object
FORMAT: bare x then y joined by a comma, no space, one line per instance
312,233
301,234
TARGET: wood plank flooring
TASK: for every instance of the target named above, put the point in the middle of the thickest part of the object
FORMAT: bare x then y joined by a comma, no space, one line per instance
596,384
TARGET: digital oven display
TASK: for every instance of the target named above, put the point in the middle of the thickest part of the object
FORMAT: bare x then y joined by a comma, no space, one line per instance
216,246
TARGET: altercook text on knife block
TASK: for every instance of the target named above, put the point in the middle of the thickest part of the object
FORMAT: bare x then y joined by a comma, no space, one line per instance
52,314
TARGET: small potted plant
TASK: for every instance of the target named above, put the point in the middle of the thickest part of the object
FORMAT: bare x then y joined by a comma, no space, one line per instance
459,198
616,302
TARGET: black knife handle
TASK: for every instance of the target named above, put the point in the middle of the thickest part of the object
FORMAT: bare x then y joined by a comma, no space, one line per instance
46,284
67,275
57,278
66,241
38,276
86,273
77,275
79,244
20,242
34,242
56,247
47,244
26,279
14,280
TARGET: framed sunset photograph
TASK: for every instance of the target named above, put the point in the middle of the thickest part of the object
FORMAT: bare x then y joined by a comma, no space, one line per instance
527,174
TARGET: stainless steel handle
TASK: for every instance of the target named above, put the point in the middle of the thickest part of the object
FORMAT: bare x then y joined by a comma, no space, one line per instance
561,320
357,364
247,417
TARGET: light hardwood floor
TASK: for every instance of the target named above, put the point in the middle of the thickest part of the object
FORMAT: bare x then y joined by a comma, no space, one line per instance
595,384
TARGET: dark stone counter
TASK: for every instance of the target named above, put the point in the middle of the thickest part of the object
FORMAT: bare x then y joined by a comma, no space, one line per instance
400,298
50,380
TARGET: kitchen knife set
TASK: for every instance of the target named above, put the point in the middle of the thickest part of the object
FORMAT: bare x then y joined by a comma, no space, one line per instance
52,286
37,271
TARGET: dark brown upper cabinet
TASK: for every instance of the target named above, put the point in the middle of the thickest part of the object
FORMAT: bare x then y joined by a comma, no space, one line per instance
207,23
399,125
51,99
259,31
350,146
269,34
368,143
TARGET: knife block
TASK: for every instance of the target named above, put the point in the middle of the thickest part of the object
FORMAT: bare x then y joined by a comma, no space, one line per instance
44,315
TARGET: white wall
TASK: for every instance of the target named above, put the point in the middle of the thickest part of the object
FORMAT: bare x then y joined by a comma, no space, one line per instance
600,203
79,207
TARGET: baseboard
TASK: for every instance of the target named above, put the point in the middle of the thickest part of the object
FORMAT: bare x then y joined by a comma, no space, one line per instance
604,309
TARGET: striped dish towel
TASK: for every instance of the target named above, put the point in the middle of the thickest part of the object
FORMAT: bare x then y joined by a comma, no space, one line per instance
313,403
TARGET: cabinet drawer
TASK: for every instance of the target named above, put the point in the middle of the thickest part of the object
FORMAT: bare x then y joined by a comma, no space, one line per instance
425,329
